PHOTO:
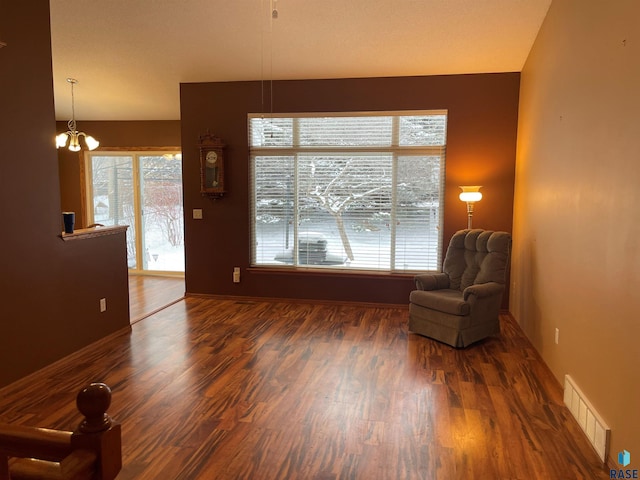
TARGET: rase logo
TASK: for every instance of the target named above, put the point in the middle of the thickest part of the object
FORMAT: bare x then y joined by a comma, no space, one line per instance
624,459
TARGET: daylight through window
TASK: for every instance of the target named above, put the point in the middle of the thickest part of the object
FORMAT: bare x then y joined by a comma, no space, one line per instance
359,191
141,189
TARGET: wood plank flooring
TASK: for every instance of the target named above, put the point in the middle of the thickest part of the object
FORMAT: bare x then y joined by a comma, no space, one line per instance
225,389
150,293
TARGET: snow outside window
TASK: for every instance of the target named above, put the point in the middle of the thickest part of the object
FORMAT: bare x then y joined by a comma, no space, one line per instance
356,191
141,189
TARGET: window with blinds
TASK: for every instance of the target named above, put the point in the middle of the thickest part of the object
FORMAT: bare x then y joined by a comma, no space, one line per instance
357,191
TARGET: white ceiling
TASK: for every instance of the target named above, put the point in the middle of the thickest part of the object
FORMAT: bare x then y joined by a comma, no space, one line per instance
130,56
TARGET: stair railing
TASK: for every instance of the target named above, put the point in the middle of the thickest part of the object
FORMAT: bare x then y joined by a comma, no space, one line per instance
92,452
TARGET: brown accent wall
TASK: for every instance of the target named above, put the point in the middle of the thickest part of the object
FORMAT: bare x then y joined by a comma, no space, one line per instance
576,256
483,111
110,134
49,289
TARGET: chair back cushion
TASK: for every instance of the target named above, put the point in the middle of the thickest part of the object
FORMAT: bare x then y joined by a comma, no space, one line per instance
477,256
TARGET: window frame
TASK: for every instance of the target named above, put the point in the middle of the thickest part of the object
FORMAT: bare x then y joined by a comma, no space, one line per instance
135,153
393,149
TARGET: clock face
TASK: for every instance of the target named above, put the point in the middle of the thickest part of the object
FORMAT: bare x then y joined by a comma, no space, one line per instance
212,158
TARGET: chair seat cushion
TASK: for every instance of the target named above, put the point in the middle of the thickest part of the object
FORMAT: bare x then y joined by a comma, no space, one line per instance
446,301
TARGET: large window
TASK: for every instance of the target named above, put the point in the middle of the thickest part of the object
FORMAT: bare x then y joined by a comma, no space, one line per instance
352,190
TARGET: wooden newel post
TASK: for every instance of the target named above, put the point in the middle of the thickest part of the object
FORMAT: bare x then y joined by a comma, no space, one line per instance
93,402
98,432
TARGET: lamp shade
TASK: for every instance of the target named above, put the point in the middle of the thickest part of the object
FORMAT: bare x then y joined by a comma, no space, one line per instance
471,193
91,142
61,140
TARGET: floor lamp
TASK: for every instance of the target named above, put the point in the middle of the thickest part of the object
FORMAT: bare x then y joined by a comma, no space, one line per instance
470,195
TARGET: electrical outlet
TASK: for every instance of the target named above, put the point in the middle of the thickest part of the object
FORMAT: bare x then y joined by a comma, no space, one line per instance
197,214
557,336
236,275
103,305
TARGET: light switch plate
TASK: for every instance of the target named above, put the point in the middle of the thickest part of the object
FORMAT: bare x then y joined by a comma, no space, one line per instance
197,214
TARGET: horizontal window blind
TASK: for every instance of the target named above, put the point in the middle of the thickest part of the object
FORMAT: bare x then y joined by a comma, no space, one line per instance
351,190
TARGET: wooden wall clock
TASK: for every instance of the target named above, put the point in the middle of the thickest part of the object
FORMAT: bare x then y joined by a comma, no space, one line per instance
212,161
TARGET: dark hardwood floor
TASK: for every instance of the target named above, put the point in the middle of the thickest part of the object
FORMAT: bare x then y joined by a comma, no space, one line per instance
150,293
226,389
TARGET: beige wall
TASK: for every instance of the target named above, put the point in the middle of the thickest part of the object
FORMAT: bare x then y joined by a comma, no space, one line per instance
576,258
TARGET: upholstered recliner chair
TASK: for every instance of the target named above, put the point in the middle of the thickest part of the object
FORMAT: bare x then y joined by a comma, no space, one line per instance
461,305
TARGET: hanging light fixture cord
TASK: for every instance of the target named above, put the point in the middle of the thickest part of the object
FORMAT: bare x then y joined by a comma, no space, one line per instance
2,44
274,15
273,10
72,123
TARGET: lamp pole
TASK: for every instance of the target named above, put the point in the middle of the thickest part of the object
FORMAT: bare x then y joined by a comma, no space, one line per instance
469,215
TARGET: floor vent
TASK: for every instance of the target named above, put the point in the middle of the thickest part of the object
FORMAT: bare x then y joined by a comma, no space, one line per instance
594,427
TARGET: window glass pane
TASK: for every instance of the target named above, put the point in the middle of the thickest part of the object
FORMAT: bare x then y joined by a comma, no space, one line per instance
143,191
113,198
345,131
423,130
273,215
344,201
270,132
162,213
418,213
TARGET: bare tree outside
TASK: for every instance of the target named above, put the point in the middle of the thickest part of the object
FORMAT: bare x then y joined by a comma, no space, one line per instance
163,197
338,184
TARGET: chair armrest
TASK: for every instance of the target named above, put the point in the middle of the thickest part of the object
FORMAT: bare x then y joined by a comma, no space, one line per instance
432,281
483,290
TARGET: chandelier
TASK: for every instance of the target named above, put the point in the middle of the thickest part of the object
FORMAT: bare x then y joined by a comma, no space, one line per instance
72,134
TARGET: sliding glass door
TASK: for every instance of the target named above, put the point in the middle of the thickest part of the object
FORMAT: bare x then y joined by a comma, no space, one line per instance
142,190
